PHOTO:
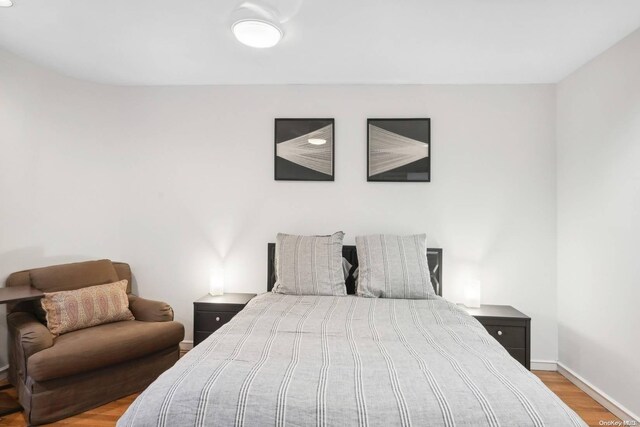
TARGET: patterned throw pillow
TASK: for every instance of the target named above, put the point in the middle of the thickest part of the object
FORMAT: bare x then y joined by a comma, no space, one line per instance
393,267
86,307
309,265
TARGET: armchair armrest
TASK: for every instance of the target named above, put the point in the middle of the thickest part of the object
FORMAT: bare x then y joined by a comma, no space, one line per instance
27,337
147,310
32,335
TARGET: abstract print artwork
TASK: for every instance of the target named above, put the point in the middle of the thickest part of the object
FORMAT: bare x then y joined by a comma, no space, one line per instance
399,150
304,149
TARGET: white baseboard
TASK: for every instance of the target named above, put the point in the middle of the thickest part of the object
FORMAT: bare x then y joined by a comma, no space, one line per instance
544,365
598,395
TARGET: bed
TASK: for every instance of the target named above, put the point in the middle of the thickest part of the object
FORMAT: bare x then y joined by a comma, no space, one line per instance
349,361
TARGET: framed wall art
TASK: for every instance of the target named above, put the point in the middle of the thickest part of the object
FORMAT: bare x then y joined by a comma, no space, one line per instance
399,150
304,149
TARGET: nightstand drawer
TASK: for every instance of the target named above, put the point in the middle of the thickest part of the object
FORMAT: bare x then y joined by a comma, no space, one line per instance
510,327
212,311
509,336
234,308
212,320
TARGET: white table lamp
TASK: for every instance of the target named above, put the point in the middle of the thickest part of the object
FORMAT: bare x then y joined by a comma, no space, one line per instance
473,294
216,282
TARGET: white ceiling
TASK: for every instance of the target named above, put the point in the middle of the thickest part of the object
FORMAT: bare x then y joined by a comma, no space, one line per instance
171,42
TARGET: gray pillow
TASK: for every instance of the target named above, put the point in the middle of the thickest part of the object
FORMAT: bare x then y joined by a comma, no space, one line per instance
393,267
309,265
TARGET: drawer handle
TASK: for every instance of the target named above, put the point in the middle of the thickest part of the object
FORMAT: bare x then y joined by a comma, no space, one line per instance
218,319
499,332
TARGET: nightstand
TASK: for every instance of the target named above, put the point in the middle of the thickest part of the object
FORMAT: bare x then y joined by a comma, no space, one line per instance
511,328
211,312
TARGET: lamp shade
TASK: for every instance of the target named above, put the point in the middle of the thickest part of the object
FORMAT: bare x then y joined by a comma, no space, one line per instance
216,281
473,294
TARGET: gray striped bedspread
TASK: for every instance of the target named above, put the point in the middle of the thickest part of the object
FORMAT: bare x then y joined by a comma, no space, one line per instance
348,361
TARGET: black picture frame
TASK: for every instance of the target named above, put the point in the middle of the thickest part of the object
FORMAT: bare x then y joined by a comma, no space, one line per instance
290,131
408,131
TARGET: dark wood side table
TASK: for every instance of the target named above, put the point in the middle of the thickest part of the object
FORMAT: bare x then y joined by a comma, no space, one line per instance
8,405
510,327
211,312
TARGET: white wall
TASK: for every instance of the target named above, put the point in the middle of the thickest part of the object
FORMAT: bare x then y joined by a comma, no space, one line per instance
170,179
599,222
58,171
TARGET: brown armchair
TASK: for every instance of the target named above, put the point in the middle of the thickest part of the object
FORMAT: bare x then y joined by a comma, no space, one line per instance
57,377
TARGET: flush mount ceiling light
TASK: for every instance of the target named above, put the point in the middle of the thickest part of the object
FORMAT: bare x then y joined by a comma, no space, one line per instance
6,3
255,33
317,141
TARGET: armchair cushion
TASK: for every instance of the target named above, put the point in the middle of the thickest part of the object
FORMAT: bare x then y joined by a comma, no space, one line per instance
147,310
67,277
100,346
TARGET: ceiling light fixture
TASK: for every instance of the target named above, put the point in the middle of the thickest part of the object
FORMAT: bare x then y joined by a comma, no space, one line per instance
317,141
256,33
6,3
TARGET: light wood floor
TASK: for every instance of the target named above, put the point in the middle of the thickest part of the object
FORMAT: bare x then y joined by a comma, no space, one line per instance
590,410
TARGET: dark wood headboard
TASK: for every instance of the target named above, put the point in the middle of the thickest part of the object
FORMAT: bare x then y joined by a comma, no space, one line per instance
434,256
